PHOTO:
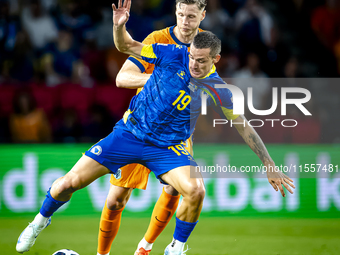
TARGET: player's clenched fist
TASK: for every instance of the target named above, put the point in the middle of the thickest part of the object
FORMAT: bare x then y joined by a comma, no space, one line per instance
122,13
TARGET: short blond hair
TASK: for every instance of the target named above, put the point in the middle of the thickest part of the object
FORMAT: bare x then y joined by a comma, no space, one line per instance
201,4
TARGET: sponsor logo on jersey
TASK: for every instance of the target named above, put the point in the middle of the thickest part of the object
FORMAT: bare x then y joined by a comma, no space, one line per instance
192,87
181,74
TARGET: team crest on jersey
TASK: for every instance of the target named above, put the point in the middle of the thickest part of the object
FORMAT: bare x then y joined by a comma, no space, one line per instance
118,174
192,87
96,150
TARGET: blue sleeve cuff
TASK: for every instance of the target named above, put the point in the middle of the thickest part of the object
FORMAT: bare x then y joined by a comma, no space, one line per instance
137,63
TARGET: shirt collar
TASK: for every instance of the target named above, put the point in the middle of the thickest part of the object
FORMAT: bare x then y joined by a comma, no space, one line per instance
213,70
173,36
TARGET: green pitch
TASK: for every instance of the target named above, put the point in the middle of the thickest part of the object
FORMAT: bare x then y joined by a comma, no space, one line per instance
232,236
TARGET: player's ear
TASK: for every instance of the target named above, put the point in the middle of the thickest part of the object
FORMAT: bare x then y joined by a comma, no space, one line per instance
203,15
217,58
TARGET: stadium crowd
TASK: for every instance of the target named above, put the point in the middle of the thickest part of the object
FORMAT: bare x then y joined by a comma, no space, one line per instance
58,64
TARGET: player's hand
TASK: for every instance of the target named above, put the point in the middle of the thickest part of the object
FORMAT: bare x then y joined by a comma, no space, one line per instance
122,13
276,178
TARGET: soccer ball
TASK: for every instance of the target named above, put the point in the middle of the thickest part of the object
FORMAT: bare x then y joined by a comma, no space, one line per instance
65,252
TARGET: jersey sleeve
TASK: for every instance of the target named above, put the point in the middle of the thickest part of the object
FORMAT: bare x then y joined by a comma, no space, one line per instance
163,54
143,65
227,104
221,99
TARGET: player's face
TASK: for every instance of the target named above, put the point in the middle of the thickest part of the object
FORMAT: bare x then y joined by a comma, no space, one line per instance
189,18
200,62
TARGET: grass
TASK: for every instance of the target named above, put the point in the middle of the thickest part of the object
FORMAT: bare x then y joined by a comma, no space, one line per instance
222,236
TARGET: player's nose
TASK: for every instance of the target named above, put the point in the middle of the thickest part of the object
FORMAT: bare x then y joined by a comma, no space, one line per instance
185,21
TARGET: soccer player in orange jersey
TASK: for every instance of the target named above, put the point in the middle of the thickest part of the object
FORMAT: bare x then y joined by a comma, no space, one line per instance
133,75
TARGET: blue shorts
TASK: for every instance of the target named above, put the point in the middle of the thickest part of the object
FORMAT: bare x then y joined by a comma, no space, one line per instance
121,148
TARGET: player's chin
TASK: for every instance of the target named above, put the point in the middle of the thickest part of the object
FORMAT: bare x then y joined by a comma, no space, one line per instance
187,32
196,75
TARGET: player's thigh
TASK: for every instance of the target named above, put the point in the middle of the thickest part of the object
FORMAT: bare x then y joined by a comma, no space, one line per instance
185,180
117,197
85,171
118,149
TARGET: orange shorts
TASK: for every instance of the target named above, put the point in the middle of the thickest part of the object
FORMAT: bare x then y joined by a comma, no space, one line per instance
136,176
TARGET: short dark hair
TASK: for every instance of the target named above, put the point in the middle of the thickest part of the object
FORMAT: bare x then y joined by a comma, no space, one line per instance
201,4
209,40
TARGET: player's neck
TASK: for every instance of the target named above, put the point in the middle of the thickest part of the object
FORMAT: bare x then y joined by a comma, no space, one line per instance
184,39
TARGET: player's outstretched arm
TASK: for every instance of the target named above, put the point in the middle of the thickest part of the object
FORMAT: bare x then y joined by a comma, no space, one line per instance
275,177
123,41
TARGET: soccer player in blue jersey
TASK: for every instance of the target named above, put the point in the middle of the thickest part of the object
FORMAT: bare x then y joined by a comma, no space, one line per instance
134,74
151,131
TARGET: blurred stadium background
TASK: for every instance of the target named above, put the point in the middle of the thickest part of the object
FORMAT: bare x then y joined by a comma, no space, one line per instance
57,70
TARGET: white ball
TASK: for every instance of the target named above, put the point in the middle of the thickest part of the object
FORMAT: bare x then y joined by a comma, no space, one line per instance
65,252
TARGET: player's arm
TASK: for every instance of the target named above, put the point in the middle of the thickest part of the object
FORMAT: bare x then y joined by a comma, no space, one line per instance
250,136
131,77
122,39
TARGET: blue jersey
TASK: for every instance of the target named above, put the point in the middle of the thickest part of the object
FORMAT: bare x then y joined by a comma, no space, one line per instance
165,112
